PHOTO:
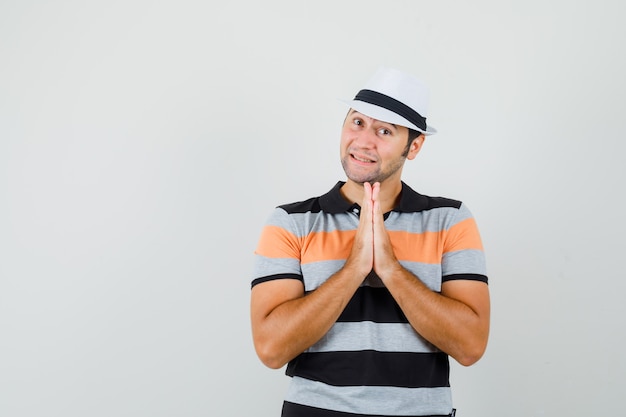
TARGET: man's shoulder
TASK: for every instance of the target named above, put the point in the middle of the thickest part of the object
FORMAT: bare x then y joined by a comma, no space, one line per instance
411,201
311,205
332,202
442,202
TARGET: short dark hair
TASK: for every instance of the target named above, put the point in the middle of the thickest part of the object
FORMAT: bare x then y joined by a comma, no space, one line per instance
413,134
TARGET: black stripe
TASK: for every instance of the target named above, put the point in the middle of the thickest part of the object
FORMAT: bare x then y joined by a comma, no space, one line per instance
390,103
373,368
277,276
311,205
469,277
373,304
411,201
299,410
333,202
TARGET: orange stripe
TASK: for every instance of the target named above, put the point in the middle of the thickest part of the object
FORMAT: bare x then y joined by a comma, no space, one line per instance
466,236
276,242
427,247
417,247
326,246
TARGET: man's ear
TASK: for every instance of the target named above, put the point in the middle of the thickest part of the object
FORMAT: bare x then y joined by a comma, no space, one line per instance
415,146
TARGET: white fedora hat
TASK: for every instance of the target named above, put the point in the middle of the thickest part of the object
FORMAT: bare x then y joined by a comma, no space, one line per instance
394,97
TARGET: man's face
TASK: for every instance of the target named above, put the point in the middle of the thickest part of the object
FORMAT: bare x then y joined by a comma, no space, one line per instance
373,151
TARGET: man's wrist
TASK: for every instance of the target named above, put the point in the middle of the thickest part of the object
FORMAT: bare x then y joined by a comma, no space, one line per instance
390,271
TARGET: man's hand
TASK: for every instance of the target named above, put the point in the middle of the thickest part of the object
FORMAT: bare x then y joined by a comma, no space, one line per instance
385,261
372,247
361,259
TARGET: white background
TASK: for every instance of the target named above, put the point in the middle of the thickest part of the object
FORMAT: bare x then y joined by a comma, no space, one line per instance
144,143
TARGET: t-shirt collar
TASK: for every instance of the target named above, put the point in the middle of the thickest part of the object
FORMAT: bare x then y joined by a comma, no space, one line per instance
333,201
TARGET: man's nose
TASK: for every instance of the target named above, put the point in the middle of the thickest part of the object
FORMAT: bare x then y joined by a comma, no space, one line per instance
366,138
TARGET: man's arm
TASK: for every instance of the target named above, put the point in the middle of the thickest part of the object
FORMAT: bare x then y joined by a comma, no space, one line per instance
285,321
455,320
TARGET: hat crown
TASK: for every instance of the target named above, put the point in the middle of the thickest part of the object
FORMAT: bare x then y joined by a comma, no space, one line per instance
402,87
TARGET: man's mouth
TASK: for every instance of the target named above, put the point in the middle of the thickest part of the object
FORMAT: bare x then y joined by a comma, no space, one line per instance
362,159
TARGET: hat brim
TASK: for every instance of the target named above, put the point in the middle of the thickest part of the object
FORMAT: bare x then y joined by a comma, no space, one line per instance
384,115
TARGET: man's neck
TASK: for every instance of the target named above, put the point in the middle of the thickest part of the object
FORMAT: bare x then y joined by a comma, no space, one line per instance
389,193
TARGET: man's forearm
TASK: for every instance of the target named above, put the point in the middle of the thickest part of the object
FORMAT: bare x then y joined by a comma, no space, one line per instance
457,323
294,325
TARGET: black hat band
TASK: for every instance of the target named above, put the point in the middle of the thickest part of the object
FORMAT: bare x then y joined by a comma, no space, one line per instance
391,104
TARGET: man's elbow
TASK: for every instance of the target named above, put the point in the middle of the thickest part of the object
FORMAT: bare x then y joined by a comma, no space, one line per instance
468,360
471,355
272,362
270,356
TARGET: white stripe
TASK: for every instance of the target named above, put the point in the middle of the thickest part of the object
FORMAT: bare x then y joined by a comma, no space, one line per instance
466,261
264,266
302,224
367,335
316,273
435,220
371,400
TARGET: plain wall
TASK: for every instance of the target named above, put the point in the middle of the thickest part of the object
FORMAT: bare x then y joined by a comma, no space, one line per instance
144,143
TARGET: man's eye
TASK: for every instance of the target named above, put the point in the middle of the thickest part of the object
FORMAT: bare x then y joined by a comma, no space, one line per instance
385,131
358,122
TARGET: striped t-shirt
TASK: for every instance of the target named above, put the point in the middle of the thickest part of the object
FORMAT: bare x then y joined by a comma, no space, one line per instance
371,362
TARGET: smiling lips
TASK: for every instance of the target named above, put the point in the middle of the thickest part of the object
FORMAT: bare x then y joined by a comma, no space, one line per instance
363,159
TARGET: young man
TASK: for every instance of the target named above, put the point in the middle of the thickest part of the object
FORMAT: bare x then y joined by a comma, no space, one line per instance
366,290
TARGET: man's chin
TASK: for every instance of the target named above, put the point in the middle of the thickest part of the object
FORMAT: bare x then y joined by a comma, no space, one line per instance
363,180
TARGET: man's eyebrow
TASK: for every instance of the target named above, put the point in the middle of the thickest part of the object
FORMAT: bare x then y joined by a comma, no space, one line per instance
356,111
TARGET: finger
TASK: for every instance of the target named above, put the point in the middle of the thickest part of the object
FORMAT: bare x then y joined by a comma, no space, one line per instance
365,217
381,238
375,199
362,254
367,192
366,204
375,190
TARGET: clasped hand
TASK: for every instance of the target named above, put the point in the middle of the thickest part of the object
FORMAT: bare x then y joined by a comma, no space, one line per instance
372,248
